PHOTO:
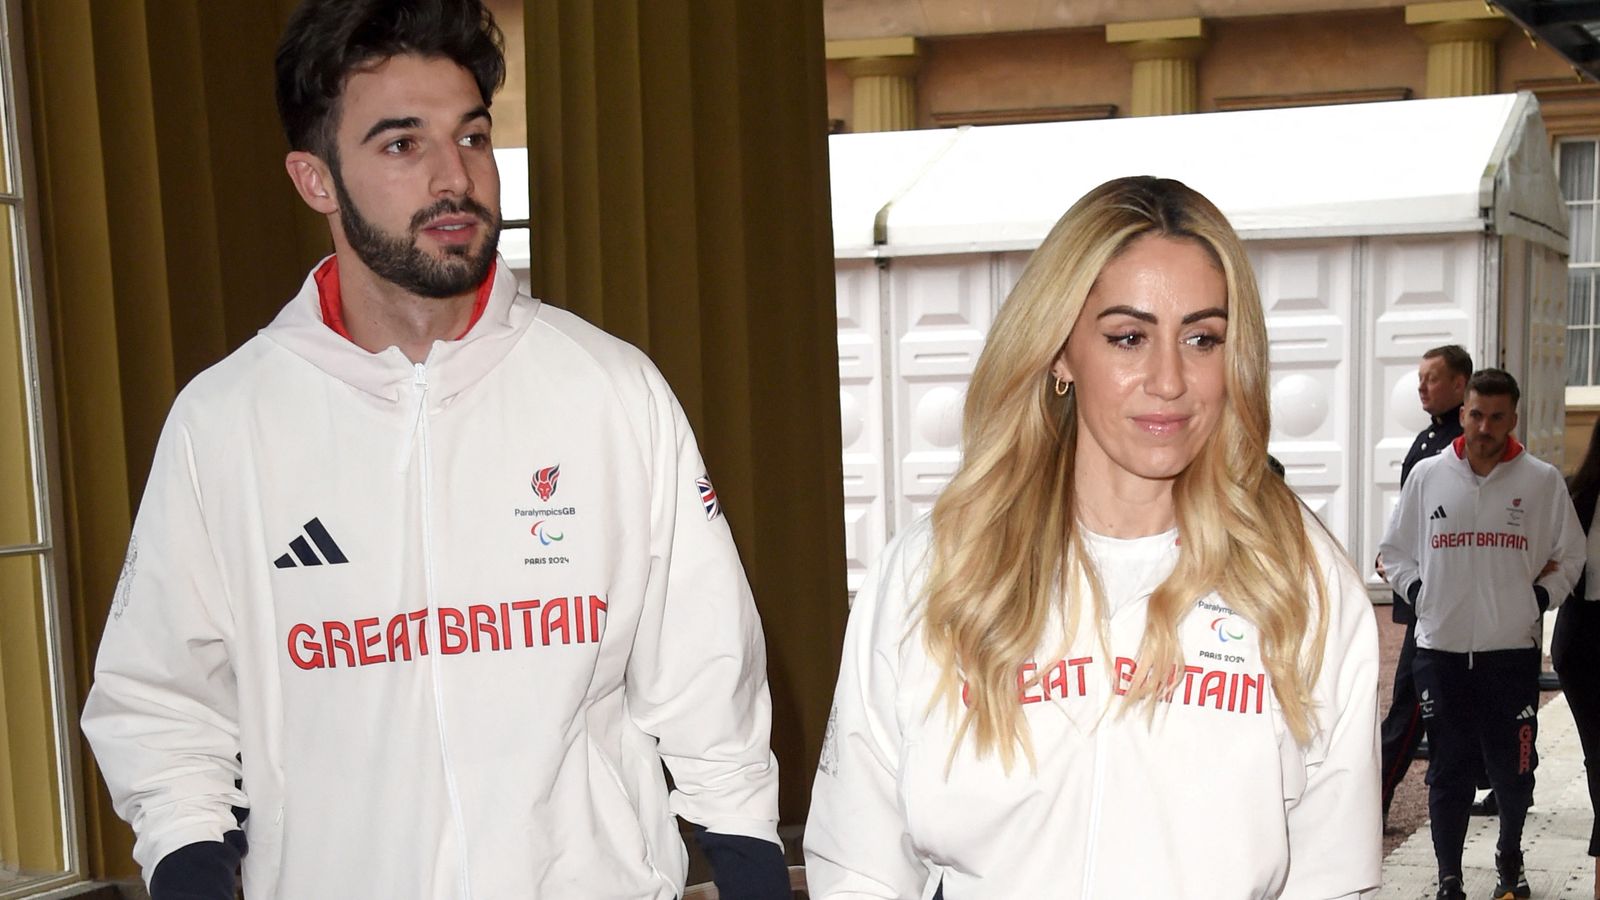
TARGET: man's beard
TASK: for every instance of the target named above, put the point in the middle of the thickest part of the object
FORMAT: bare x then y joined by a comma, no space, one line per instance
402,263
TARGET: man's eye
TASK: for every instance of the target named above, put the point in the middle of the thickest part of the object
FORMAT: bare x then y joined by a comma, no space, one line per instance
475,140
400,145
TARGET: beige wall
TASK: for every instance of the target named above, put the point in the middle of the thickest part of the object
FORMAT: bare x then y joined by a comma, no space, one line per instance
1580,423
511,105
1022,71
1308,54
850,19
1300,52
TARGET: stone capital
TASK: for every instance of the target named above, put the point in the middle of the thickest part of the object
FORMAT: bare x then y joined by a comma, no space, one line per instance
889,66
1485,30
1178,49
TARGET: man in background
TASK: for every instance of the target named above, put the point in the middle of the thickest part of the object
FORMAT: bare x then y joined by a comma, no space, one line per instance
1441,386
1483,541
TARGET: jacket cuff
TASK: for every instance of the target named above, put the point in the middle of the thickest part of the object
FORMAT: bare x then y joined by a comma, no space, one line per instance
1541,596
744,868
207,870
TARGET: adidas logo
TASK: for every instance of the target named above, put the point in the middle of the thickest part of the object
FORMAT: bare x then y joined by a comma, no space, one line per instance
1527,713
300,550
1438,514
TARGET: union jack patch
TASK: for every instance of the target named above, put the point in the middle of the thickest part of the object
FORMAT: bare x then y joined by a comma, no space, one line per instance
708,497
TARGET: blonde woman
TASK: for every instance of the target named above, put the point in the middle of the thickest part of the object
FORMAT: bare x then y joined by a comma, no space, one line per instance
1119,659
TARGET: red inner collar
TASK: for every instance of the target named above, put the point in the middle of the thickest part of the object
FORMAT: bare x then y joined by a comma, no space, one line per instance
327,276
1513,447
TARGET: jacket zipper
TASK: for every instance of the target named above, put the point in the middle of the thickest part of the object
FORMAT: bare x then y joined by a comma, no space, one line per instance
419,383
1096,799
1477,516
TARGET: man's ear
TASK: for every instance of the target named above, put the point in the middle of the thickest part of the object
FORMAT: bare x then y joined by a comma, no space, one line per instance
313,180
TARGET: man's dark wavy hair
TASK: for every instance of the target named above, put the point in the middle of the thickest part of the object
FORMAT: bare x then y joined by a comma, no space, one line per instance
1494,383
328,40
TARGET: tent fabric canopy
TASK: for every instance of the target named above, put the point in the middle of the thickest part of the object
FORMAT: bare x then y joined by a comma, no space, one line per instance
1407,167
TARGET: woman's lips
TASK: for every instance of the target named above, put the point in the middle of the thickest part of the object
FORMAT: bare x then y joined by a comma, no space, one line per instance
1161,425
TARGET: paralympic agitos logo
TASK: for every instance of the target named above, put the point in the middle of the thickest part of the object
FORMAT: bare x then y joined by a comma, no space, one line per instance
1228,629
546,535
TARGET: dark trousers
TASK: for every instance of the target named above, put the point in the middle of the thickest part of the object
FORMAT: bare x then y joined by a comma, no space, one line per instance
1401,730
1575,651
1481,714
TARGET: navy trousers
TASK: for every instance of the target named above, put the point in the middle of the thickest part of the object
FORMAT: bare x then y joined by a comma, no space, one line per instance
1481,711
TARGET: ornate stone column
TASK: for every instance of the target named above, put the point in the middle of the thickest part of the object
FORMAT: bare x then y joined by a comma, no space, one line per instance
1163,54
883,81
1461,40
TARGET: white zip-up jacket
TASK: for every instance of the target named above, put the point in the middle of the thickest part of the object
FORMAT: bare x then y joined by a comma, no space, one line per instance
1215,799
452,618
1472,549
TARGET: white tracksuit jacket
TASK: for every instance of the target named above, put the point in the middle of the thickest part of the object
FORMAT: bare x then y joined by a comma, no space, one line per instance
1214,800
1477,549
453,616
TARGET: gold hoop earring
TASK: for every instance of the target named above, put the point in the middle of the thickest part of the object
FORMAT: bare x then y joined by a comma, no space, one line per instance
1062,388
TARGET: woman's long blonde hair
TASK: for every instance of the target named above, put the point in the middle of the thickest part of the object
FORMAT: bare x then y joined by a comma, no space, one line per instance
1007,555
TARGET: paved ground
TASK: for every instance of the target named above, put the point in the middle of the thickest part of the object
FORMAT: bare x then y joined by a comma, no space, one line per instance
1555,839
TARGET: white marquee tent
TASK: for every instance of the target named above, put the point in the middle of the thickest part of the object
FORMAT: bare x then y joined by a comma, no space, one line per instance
1377,231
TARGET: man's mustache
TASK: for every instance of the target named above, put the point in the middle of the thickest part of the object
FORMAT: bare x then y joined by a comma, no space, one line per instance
447,207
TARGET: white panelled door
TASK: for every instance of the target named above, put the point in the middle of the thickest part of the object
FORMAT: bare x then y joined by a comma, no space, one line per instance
940,309
1307,291
861,415
1422,293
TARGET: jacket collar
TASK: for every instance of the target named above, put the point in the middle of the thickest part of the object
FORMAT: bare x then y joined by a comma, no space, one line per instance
1514,448
452,366
331,299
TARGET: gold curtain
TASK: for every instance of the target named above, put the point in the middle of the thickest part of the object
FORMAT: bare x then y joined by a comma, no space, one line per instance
680,201
169,235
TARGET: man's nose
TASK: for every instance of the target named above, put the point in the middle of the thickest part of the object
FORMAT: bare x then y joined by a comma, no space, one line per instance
450,175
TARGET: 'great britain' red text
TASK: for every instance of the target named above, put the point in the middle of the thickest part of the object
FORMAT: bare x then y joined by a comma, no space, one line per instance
480,628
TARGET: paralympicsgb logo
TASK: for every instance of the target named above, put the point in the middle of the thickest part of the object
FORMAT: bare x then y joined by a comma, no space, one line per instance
544,482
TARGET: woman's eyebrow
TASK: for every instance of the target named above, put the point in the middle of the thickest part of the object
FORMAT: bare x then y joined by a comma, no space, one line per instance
1129,311
1213,312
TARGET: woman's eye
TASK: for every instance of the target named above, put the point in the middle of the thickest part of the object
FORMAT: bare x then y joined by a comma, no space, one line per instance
1204,341
1126,340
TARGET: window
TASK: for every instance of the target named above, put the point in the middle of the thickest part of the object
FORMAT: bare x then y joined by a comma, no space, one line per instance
39,846
1577,162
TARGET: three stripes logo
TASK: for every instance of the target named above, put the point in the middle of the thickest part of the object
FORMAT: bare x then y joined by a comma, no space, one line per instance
1437,515
301,552
1528,712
